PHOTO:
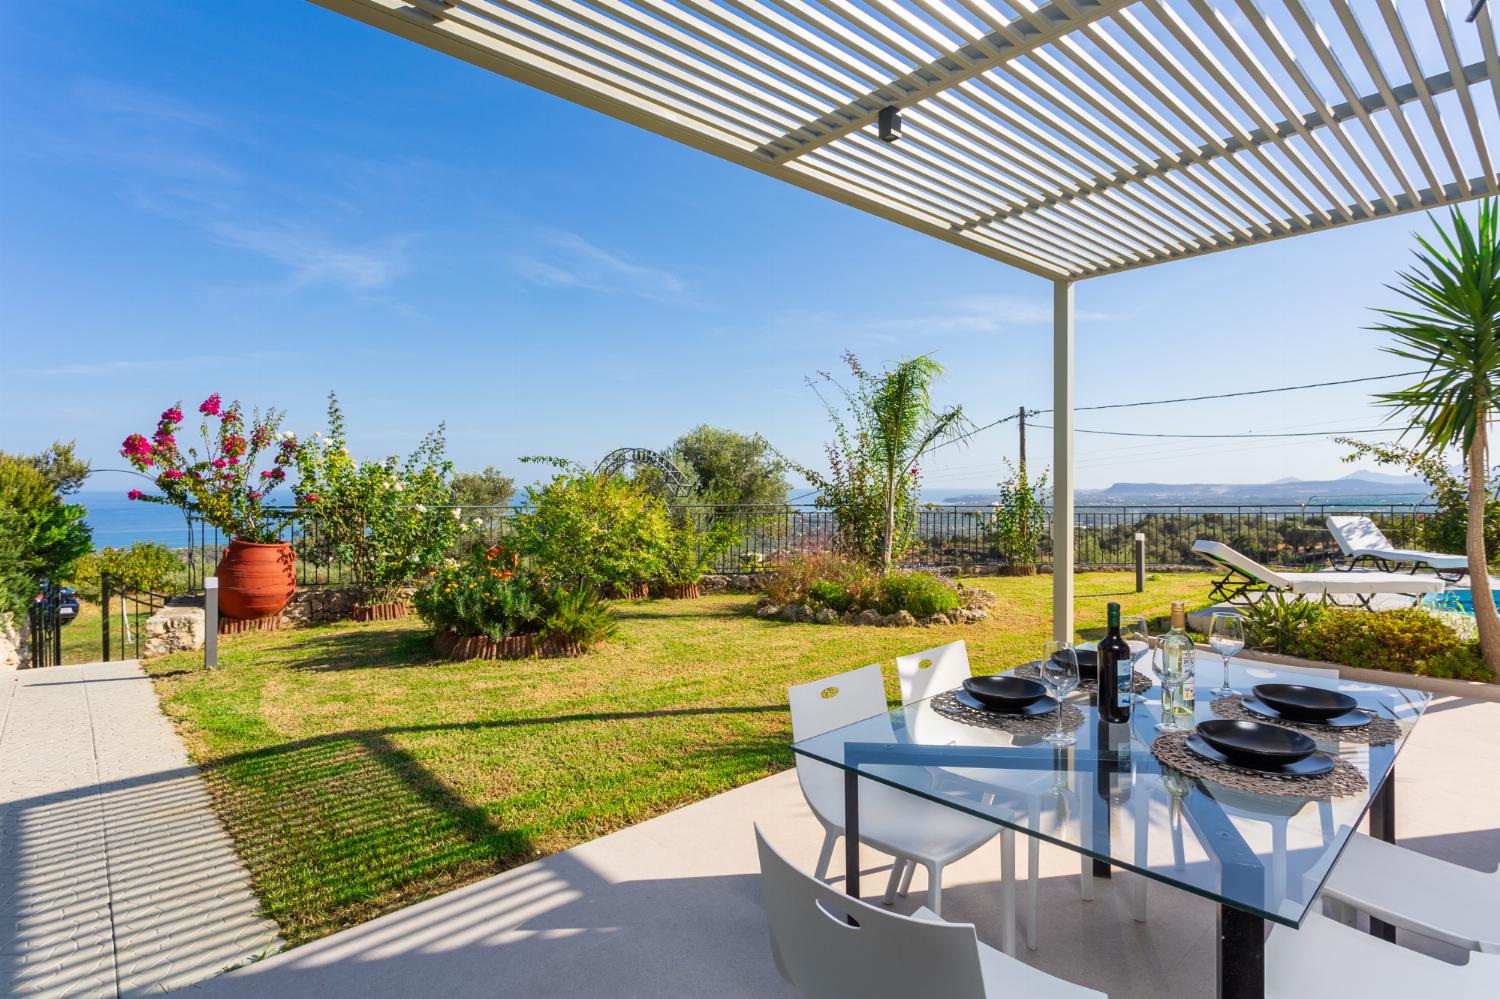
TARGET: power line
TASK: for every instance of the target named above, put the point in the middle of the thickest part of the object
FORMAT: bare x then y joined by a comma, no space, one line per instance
1236,395
1163,402
1255,436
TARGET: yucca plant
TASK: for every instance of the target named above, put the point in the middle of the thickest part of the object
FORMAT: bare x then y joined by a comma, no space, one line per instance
1452,328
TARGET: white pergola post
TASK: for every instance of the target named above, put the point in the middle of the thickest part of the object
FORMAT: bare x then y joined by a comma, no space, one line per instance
1062,461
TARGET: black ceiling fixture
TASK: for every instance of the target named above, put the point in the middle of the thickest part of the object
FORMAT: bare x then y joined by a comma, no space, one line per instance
890,124
1474,11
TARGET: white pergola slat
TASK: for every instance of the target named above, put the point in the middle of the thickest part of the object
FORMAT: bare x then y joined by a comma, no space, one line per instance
1071,139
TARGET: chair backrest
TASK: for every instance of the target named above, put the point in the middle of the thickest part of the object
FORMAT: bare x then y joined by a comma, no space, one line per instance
923,674
1230,560
1356,534
822,706
881,955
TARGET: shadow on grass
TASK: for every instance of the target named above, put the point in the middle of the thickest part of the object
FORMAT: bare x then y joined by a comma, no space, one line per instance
339,828
336,651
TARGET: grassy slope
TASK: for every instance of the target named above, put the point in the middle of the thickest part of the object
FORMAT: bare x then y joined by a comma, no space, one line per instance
357,774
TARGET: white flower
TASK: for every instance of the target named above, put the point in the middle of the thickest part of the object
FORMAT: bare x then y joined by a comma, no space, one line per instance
399,485
317,433
420,508
477,522
458,514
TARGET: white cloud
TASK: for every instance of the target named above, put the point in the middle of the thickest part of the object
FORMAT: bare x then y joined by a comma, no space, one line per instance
314,258
108,97
566,259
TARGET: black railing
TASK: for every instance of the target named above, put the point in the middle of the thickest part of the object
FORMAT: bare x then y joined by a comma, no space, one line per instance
124,637
44,623
961,536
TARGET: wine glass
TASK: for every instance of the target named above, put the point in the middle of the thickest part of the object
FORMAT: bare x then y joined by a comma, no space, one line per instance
1136,631
1226,633
1059,672
1172,693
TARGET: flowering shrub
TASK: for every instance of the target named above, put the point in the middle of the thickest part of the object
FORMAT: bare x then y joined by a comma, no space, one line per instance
222,483
829,579
490,594
384,520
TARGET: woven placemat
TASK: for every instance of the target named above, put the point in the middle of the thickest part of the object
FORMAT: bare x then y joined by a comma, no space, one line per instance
948,706
1379,732
1139,683
1171,749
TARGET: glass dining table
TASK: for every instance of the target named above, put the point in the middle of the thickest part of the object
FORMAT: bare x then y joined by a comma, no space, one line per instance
1261,857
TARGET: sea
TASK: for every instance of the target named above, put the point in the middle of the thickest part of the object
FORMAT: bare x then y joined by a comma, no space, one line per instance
117,521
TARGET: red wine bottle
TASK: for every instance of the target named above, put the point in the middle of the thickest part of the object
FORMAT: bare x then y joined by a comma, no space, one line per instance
1115,672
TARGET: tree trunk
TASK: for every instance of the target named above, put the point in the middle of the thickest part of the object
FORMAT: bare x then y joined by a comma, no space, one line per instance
887,543
1485,616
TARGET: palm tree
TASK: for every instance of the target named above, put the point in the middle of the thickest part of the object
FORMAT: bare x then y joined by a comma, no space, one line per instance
1454,330
903,427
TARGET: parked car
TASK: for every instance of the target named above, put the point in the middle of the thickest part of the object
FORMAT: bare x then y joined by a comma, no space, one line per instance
67,604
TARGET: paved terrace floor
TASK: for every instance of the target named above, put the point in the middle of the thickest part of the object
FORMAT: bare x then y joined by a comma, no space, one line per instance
115,876
671,907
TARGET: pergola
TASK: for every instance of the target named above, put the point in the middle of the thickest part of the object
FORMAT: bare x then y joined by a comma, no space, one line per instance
1070,140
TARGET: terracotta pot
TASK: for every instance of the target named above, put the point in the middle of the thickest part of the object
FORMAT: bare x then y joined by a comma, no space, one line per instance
1018,569
256,580
683,591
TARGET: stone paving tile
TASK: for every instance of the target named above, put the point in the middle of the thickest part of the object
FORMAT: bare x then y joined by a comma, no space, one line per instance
116,878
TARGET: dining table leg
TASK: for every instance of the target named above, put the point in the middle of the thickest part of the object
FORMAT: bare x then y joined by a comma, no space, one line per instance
1383,827
851,833
1242,954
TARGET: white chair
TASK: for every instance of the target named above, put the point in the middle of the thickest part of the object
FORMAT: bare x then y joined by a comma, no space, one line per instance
1418,893
1359,538
1246,580
930,672
831,946
890,820
1326,958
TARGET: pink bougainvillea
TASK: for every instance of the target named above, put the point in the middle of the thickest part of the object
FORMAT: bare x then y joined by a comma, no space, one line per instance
214,481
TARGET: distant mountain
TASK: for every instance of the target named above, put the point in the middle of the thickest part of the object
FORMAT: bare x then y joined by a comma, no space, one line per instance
1375,488
1372,487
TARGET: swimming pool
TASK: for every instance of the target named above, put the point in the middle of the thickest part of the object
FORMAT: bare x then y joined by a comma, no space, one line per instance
1455,600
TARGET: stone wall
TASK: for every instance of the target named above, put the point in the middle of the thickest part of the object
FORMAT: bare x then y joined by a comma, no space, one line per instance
181,626
10,645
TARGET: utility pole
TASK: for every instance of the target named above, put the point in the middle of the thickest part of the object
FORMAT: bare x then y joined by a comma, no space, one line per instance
1021,416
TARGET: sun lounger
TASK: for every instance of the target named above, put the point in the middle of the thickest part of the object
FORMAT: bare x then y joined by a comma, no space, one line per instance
1359,538
1246,580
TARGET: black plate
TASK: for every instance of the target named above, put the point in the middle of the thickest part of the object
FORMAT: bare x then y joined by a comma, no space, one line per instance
1255,744
1004,693
1041,707
1088,663
1315,765
1354,719
1304,703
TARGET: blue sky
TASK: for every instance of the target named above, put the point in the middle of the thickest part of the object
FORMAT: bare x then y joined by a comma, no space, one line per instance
271,201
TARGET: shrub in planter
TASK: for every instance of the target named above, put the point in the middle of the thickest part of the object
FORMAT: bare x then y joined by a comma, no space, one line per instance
918,593
222,484
487,606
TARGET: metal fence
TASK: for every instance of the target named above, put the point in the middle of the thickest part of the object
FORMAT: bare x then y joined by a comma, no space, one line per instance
957,536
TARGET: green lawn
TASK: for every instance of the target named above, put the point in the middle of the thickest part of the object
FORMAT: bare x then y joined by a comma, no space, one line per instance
357,774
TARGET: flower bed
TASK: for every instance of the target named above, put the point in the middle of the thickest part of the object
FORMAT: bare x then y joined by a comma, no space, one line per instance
828,588
488,606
